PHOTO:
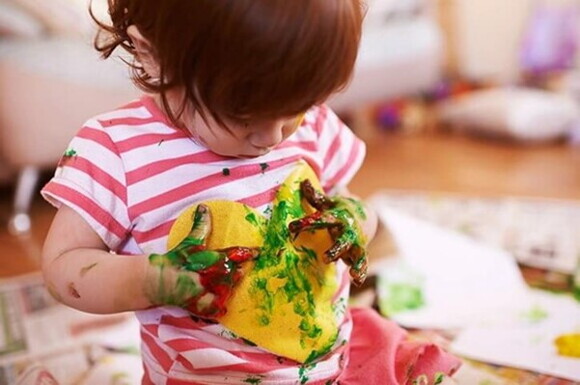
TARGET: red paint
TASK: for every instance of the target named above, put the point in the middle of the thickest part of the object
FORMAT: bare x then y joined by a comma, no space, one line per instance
301,224
219,280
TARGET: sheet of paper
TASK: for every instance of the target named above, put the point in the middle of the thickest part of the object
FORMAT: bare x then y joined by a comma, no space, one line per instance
525,337
443,279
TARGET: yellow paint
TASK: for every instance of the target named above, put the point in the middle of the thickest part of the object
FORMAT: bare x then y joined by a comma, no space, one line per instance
568,345
282,335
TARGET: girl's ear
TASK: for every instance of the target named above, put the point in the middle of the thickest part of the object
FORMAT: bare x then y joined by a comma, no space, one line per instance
144,51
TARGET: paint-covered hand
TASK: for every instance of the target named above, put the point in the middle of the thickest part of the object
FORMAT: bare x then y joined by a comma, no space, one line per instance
342,217
193,277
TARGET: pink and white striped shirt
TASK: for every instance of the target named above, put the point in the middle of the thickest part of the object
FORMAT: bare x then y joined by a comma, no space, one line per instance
130,173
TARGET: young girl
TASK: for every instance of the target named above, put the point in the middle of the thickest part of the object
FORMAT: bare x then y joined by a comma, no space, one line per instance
233,106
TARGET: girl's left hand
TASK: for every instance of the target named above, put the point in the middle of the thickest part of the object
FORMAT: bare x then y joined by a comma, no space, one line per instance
342,217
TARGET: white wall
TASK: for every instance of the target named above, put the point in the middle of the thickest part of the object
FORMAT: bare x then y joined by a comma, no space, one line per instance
487,36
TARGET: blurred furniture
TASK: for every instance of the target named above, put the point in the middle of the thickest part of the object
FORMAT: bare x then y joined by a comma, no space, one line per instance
401,52
51,81
48,88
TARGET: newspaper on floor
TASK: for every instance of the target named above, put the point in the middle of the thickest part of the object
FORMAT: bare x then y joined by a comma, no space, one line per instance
37,330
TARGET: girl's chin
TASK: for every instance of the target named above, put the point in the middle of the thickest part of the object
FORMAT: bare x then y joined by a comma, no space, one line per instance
253,154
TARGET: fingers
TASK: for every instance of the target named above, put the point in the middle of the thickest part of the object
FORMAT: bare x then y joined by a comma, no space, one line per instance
337,250
196,239
357,260
360,275
201,226
316,199
318,220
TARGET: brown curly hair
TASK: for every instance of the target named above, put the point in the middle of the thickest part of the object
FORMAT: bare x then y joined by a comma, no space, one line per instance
240,58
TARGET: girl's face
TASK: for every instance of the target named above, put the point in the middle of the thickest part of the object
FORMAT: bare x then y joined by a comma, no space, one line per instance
241,139
245,139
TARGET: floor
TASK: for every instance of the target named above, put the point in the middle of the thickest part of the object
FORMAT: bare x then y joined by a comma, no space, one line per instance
440,162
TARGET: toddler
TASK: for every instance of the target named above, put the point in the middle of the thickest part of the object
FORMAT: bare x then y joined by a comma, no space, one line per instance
232,107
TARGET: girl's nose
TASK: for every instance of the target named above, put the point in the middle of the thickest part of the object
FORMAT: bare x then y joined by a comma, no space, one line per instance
267,135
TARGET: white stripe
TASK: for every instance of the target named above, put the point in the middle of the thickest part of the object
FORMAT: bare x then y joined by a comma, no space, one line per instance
122,132
210,358
108,237
340,157
98,155
168,333
93,189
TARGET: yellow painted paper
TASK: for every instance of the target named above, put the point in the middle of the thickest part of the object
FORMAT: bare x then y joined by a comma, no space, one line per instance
284,301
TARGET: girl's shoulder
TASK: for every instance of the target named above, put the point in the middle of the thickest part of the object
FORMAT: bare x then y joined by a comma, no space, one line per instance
132,120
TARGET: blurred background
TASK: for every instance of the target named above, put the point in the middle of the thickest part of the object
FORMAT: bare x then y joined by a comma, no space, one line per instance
470,110
477,97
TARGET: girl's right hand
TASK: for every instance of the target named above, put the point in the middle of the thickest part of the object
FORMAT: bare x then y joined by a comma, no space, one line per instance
343,218
195,278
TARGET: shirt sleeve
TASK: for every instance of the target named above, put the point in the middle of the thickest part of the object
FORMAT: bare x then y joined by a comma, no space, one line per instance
90,179
340,151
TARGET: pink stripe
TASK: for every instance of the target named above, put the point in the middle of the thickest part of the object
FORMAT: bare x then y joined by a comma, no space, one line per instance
146,380
186,363
262,198
257,200
153,234
161,356
147,140
162,230
203,184
186,344
174,381
151,329
307,145
159,167
155,110
126,121
91,208
332,150
321,120
100,176
99,137
350,162
313,165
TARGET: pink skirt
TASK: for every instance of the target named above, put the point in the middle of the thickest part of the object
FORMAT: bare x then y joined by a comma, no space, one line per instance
381,354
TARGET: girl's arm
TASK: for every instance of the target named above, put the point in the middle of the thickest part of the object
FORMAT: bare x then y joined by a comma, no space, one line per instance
80,272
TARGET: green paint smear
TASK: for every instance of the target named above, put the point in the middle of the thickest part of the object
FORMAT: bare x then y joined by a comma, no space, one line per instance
70,153
535,314
201,260
292,266
251,217
401,297
119,378
268,211
86,269
359,209
421,380
316,354
439,377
